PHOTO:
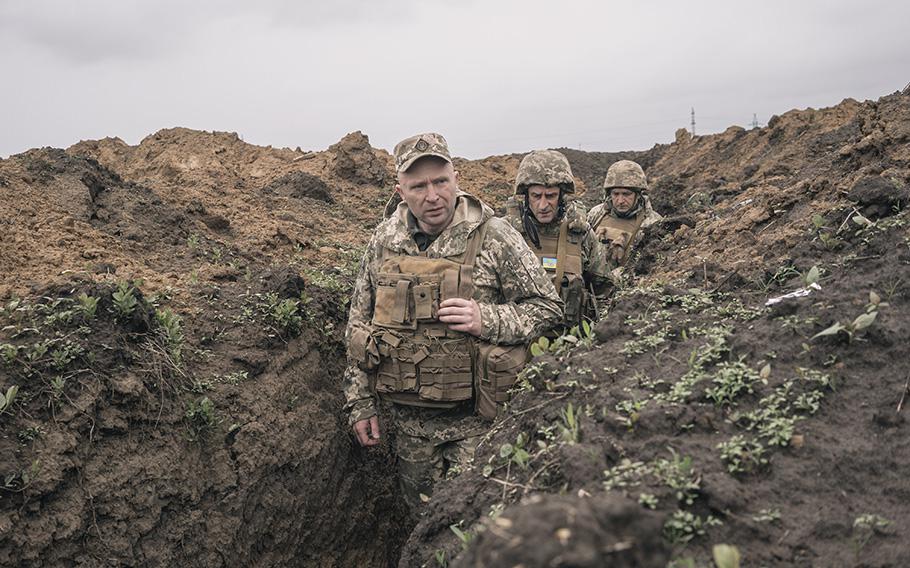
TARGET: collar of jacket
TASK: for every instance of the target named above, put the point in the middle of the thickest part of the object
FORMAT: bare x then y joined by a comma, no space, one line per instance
470,212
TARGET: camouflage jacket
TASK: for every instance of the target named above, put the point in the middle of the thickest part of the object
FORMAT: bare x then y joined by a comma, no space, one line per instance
647,214
596,267
517,300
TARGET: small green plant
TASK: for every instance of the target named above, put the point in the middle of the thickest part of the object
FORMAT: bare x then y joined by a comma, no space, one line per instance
570,427
678,474
464,536
864,527
440,556
812,276
647,500
88,306
6,400
767,516
582,335
30,434
726,556
8,352
58,385
216,254
201,416
171,332
283,315
742,455
125,302
516,452
19,481
683,526
861,322
731,380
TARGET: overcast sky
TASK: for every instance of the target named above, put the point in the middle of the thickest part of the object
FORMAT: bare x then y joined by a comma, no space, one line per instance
494,76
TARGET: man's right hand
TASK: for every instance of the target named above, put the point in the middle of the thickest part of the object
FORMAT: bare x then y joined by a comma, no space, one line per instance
367,431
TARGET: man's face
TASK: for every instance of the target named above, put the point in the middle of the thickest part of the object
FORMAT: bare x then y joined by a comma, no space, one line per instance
623,199
544,203
429,187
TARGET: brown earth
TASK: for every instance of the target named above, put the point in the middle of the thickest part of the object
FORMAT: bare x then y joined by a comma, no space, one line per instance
223,445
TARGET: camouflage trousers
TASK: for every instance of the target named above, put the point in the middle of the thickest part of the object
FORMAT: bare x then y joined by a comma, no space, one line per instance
433,444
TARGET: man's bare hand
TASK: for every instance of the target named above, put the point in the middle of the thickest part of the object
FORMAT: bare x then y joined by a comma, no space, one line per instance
461,315
367,431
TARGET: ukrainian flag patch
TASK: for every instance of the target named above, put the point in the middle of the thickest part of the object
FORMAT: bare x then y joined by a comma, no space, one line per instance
549,262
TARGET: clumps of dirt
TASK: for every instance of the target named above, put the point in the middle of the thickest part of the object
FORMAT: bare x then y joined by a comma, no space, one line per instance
589,533
879,197
299,185
355,161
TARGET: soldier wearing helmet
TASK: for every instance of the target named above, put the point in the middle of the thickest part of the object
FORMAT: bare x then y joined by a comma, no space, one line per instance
626,210
557,232
446,300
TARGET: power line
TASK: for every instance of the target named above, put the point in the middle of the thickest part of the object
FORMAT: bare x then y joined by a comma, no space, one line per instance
693,122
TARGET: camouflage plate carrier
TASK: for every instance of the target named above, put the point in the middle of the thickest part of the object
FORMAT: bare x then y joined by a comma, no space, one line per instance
418,360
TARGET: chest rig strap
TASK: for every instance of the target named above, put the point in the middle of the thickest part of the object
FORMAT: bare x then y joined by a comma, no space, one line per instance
561,253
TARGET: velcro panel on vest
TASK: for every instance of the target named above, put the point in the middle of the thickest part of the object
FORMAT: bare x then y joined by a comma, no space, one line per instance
614,236
446,372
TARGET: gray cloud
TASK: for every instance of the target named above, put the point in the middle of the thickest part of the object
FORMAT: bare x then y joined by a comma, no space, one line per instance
495,77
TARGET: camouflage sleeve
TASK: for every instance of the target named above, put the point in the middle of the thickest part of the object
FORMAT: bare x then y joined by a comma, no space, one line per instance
597,266
595,214
359,400
516,297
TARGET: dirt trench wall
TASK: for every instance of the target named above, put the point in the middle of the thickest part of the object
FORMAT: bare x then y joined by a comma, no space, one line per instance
123,477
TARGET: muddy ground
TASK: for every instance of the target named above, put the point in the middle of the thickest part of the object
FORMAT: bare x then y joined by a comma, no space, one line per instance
172,315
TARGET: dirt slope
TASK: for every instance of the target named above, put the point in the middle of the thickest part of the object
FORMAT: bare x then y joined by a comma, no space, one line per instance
201,425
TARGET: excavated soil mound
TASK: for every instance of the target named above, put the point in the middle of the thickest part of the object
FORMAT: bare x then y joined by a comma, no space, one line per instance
172,315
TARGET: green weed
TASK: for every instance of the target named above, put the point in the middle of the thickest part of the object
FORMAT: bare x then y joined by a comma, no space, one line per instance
124,299
742,455
683,526
6,400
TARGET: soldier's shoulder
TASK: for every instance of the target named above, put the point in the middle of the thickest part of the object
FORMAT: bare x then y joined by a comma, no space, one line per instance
388,230
576,217
595,211
499,227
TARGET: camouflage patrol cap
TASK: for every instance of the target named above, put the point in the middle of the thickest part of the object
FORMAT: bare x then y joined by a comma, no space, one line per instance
548,168
626,174
415,147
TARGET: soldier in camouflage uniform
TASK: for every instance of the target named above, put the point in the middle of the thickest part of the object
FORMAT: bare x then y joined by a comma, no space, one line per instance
556,230
445,302
626,210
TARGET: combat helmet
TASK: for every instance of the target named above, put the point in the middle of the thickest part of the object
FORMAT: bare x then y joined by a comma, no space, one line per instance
626,174
544,167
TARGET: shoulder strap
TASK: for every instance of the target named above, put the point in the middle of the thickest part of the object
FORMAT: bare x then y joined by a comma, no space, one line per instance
466,280
561,254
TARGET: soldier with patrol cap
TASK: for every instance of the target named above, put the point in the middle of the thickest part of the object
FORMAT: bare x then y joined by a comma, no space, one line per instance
558,233
445,302
626,210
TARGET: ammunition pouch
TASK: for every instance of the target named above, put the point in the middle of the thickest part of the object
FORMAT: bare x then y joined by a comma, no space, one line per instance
573,295
362,347
496,370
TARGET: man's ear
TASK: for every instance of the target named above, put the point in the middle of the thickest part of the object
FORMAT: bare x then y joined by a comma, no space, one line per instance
456,177
398,190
